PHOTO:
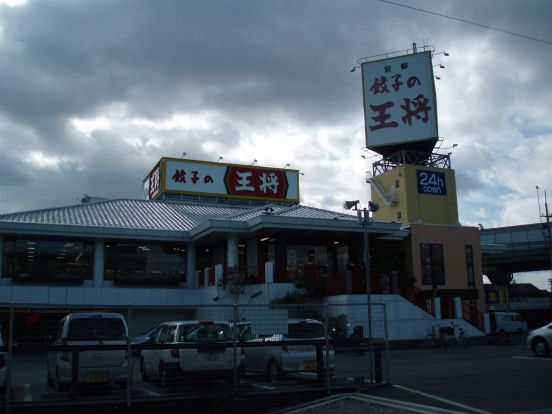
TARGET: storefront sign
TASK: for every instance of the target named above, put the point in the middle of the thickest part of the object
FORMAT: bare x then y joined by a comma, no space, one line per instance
399,101
192,177
431,182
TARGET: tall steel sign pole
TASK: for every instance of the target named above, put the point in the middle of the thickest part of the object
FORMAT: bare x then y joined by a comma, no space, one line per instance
549,236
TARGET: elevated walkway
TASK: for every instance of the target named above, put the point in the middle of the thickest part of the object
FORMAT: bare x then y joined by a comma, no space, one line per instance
515,249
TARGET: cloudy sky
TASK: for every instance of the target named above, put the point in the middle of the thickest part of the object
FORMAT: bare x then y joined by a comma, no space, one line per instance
93,93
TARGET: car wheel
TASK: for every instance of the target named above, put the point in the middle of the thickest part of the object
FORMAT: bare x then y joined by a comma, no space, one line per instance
540,347
164,377
145,376
49,380
274,372
230,379
122,385
59,387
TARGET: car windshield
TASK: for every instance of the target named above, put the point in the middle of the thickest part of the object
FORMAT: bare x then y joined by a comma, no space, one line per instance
305,330
201,333
88,329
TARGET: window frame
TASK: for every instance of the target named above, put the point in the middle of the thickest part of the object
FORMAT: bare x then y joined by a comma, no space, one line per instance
432,264
46,265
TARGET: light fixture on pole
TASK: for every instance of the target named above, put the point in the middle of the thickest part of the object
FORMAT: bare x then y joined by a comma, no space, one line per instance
547,232
254,161
287,165
219,159
364,220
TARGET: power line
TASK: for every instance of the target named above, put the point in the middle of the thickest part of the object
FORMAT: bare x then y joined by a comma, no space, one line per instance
469,22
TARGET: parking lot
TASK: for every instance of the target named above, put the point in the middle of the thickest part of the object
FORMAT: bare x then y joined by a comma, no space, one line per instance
479,379
30,387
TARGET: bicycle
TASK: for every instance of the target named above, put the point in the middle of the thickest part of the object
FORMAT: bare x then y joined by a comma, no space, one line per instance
462,339
433,341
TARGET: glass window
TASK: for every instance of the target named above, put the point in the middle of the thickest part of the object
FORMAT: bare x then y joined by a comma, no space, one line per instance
88,329
27,259
135,263
304,330
162,335
171,337
202,332
433,270
469,266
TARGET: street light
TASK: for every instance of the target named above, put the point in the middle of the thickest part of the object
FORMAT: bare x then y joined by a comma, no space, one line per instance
364,219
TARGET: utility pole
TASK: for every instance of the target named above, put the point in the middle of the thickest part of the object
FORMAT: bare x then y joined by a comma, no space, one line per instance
549,238
547,233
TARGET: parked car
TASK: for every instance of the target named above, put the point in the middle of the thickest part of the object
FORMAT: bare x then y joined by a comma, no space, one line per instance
94,366
3,356
275,361
343,341
141,339
507,323
540,340
211,357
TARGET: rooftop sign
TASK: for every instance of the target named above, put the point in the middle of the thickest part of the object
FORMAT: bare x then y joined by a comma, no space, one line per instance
400,109
191,177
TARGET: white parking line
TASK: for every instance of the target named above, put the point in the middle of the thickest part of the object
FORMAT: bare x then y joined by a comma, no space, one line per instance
533,358
152,393
266,387
454,403
27,394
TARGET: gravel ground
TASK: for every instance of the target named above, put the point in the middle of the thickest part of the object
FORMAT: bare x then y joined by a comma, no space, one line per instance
361,403
348,406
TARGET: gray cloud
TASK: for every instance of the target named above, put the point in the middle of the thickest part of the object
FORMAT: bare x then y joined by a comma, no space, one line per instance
267,81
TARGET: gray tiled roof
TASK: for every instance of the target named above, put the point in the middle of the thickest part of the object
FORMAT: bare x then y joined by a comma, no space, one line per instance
155,215
314,213
129,214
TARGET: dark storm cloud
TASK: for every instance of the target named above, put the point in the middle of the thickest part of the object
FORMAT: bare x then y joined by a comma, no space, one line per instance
79,55
12,172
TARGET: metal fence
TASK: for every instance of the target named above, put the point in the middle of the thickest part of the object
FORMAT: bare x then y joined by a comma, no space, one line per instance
135,354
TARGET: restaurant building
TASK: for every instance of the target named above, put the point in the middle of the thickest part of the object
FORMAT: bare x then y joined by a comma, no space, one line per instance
182,245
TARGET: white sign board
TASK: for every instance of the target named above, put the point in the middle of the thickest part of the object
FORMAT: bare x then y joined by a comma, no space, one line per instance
182,176
399,101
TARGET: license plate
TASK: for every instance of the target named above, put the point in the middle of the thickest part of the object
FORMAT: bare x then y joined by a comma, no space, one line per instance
309,365
211,357
96,377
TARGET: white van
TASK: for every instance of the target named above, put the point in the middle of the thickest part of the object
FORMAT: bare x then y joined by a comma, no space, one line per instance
503,323
94,366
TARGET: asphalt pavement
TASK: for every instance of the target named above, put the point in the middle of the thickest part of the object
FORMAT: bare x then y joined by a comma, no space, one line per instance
498,378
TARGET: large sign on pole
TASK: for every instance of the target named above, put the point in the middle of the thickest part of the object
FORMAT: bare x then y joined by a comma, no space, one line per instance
191,177
400,109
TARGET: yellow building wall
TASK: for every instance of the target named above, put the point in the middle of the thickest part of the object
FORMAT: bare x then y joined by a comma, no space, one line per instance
406,205
454,240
